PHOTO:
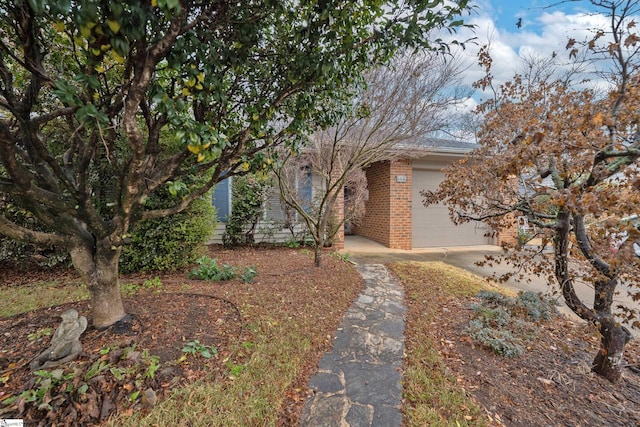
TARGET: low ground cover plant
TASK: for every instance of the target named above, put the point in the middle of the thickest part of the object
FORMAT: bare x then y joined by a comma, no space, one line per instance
209,269
504,324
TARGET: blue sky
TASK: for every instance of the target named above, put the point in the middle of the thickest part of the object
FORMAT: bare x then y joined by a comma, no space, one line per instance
507,13
544,31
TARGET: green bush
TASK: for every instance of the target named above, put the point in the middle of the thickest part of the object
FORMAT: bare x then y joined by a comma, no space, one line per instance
496,317
169,243
24,255
527,305
535,306
248,274
209,269
160,244
495,298
247,208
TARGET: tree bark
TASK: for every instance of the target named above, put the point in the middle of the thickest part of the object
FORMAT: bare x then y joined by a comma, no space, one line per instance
98,267
614,337
608,361
317,258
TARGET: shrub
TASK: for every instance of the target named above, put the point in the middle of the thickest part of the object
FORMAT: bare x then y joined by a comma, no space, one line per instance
248,274
535,306
502,342
247,207
495,298
24,255
495,317
501,323
208,269
169,243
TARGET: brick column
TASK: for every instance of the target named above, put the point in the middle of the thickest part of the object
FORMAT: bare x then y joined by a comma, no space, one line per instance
388,211
374,225
400,215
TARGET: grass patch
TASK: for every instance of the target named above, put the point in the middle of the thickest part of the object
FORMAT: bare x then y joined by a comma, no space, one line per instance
252,393
433,395
20,299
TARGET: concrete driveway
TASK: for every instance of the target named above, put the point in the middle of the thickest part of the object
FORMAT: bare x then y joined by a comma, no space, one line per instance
364,251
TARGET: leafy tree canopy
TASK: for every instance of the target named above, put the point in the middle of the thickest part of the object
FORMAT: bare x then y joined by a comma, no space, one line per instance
103,103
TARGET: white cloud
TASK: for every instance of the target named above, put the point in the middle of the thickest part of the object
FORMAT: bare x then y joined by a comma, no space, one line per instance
542,34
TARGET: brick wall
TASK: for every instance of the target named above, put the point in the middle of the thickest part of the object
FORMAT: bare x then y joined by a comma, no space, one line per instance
375,224
388,210
508,233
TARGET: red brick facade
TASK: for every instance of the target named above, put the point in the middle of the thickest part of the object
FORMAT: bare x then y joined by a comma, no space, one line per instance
508,234
388,210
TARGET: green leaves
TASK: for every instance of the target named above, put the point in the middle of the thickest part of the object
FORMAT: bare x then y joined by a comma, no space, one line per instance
176,187
37,6
169,5
66,93
90,116
197,349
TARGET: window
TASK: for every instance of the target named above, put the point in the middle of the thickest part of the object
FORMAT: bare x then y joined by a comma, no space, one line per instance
222,199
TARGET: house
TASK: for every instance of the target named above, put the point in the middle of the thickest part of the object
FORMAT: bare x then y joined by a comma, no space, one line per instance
395,215
278,224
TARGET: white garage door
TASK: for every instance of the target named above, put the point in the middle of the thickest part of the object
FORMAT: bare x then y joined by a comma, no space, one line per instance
432,225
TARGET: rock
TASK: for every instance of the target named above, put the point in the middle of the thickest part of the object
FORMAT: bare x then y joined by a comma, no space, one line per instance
149,398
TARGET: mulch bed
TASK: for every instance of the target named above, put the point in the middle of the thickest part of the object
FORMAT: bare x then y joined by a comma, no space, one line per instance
163,322
550,384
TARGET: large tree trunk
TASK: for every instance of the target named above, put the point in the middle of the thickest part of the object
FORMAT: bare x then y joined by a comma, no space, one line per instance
608,361
98,267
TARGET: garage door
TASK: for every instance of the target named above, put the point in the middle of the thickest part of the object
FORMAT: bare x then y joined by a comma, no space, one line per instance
431,225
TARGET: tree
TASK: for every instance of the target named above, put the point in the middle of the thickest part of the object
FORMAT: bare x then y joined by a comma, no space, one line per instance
402,102
103,103
566,157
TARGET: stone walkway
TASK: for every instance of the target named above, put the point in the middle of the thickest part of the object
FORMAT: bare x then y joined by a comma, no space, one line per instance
358,382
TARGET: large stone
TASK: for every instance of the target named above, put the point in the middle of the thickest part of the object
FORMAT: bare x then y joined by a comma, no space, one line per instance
359,415
324,382
323,411
371,384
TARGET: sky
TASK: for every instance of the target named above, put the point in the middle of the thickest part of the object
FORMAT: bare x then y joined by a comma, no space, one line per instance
545,27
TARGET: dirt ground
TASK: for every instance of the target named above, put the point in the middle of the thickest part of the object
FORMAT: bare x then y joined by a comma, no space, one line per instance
550,385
